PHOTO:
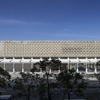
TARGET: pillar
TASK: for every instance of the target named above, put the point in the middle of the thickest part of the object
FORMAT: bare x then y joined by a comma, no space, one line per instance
41,59
4,67
59,66
77,68
50,68
22,67
13,67
95,70
49,59
68,63
31,65
50,71
86,71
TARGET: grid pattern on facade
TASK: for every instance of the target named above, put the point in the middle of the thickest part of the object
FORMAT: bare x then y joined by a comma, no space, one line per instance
49,48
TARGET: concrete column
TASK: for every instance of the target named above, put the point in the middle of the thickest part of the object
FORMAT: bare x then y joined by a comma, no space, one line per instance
49,59
22,64
22,67
50,68
86,71
41,59
68,63
60,66
50,71
95,70
31,65
77,68
13,67
4,67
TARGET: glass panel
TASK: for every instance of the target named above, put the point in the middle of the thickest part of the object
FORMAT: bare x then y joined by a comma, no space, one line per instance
9,67
98,68
27,67
90,67
37,67
2,65
81,67
63,67
73,65
18,67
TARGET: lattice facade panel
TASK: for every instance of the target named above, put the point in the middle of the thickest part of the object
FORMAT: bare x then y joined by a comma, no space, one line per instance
2,49
27,49
50,48
9,49
97,48
19,49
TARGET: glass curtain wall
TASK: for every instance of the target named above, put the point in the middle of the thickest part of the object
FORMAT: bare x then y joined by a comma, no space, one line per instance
82,67
91,67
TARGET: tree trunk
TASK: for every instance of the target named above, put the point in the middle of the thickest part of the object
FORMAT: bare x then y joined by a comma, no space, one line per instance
48,88
28,92
68,96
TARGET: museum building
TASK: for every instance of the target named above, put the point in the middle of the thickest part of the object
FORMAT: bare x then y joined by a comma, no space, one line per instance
20,56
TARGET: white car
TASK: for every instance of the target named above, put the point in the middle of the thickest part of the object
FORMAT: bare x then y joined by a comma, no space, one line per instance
5,97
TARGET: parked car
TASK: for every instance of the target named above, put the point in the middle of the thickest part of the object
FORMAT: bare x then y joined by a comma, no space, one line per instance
5,97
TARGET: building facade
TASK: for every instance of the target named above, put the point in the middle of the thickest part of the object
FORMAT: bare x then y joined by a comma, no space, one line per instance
20,56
